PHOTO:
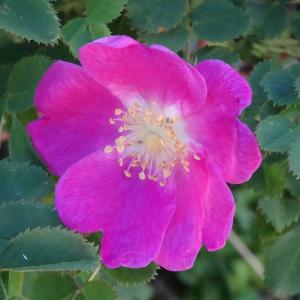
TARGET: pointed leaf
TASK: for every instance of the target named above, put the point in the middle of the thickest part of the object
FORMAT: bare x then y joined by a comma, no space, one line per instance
276,133
128,276
280,212
16,217
294,157
22,82
49,250
31,19
22,181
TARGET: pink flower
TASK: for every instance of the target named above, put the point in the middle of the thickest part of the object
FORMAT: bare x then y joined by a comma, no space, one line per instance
144,144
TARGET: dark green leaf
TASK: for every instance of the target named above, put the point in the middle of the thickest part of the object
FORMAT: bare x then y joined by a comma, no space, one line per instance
175,39
293,186
20,148
294,157
16,217
22,82
154,16
31,19
133,276
276,133
219,20
76,33
275,179
295,24
95,289
280,86
283,264
218,53
49,250
22,181
280,212
104,11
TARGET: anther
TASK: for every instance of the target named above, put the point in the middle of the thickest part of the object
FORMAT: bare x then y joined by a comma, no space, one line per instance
127,173
108,149
118,111
142,176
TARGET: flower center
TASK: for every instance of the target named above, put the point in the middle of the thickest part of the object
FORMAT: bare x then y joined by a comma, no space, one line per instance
150,142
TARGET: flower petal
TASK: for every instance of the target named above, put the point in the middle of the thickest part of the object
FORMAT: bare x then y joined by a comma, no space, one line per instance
230,144
204,213
133,71
75,114
227,90
133,215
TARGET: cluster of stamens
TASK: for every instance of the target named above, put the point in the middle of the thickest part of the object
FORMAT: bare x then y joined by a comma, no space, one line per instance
148,142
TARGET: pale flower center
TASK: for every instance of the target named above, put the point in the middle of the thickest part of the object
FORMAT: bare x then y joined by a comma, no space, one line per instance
151,141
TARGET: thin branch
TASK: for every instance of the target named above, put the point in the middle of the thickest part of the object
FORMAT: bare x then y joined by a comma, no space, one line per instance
94,274
246,253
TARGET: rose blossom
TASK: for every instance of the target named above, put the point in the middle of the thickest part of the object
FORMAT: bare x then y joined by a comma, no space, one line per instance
144,144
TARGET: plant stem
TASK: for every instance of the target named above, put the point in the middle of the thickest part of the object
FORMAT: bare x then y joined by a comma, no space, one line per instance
246,253
3,288
94,274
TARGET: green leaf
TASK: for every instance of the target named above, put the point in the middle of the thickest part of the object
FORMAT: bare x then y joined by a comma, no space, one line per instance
49,250
275,179
174,39
283,264
276,133
280,86
15,284
293,186
221,53
95,289
154,16
128,276
16,217
294,157
31,19
76,33
104,11
57,286
295,24
280,212
99,30
22,181
20,148
219,20
22,82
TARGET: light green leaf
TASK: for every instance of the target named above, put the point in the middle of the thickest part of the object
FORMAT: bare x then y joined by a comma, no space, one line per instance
219,20
104,11
283,264
275,179
280,212
31,19
20,148
76,33
22,181
276,133
128,276
16,217
15,284
174,39
49,250
22,82
97,289
57,286
154,16
294,157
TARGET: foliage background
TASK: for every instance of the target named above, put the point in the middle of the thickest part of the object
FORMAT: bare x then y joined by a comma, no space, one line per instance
261,38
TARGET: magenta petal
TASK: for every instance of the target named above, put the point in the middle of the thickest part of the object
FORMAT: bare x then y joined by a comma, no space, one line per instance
219,211
133,215
204,213
227,90
75,114
137,72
